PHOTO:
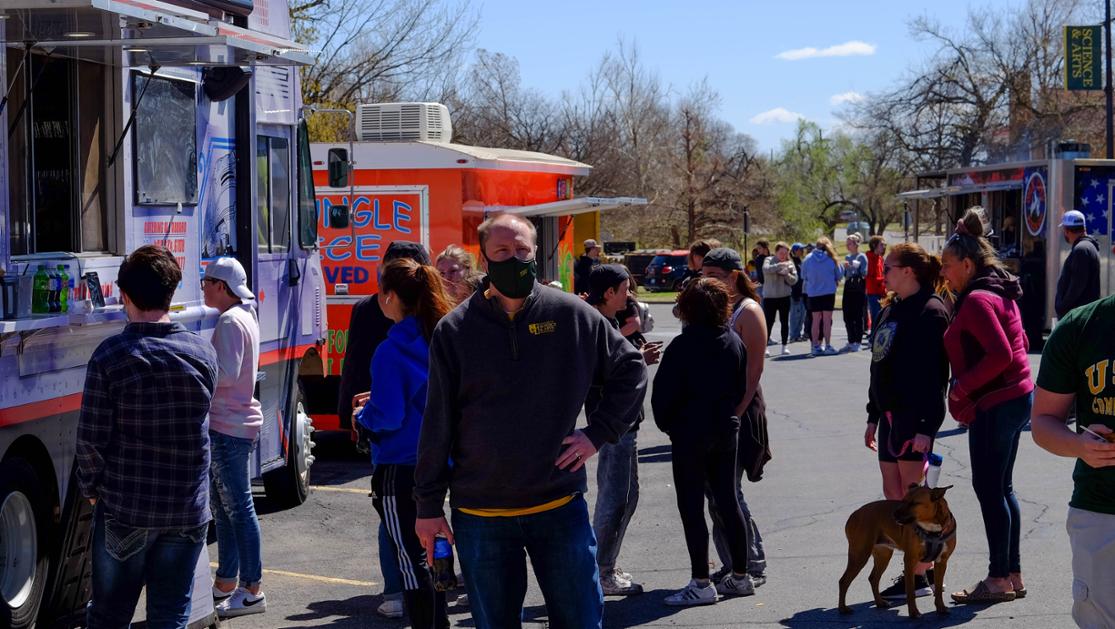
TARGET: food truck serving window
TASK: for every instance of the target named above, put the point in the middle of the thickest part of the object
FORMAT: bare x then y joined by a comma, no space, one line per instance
165,140
57,154
273,193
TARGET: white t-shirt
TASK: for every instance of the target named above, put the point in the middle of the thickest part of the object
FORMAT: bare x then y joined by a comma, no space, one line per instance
234,410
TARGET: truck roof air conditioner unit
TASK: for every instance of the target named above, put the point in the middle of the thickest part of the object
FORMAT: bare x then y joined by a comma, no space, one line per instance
403,122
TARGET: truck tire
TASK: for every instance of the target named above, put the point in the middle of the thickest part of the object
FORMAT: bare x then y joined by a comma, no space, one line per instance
289,486
24,542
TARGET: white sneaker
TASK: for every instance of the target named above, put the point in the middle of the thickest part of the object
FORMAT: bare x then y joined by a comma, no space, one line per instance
767,353
220,595
391,608
854,347
785,351
614,584
241,603
732,585
831,351
692,594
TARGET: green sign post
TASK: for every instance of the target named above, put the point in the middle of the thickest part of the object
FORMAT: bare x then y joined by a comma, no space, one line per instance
1083,56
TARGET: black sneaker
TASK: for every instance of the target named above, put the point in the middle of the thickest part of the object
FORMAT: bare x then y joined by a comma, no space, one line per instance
897,590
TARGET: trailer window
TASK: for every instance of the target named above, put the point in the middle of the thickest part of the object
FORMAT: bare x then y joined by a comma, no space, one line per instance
307,206
273,193
57,154
165,140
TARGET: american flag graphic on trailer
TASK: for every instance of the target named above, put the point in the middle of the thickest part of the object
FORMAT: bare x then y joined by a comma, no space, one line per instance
1091,196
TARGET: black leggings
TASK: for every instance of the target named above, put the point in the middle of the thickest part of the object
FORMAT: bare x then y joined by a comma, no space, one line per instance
855,314
696,467
781,307
393,487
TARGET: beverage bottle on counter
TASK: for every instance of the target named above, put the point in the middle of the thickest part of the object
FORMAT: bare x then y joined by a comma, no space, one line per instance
64,284
39,288
445,574
52,290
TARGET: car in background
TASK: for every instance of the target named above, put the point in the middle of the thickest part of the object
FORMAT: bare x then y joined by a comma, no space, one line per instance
637,261
666,271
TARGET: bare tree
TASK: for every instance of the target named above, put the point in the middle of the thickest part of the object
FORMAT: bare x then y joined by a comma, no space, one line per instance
376,50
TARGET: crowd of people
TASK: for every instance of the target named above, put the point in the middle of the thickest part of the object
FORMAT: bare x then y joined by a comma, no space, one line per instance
444,372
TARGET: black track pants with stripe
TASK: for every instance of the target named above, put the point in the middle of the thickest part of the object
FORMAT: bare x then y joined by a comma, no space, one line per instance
393,486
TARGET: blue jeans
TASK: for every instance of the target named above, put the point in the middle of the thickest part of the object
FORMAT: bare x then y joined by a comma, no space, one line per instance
797,317
617,495
993,445
874,307
125,559
562,550
389,565
234,512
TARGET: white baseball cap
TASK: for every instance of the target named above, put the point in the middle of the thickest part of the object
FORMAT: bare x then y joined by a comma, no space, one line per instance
1073,218
229,271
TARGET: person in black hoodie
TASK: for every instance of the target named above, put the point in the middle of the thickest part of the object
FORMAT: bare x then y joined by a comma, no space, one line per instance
584,266
510,370
1079,283
696,407
909,375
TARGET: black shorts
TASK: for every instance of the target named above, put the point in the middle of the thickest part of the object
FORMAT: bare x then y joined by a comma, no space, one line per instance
822,303
886,447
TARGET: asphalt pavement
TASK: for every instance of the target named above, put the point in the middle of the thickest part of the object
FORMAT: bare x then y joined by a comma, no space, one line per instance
321,567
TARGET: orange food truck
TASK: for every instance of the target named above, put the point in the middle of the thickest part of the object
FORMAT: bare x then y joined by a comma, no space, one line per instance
408,182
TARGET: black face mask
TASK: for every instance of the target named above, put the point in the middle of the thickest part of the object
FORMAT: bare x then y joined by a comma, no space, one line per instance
513,278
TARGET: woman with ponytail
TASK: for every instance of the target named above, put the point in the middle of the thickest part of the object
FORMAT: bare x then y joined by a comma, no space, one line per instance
991,393
413,296
909,374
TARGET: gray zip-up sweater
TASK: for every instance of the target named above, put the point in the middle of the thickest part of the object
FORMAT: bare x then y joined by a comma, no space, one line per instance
503,394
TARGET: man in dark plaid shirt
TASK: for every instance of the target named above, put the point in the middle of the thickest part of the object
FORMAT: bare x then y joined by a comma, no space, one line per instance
143,451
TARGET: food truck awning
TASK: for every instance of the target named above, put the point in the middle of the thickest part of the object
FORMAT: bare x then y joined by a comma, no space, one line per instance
948,191
148,31
569,207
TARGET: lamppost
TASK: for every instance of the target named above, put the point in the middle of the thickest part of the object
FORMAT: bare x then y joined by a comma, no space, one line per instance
1110,136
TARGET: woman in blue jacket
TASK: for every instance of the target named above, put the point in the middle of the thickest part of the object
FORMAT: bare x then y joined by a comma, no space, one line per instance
413,296
821,274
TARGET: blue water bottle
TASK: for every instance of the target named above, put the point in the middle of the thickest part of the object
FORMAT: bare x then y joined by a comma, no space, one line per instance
445,573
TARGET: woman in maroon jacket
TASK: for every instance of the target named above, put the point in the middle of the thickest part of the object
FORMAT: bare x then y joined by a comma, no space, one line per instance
991,393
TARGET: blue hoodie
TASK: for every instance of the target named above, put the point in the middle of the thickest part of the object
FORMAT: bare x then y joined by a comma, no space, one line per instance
820,274
400,371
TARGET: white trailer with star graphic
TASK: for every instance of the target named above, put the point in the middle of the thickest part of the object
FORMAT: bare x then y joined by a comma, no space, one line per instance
1025,202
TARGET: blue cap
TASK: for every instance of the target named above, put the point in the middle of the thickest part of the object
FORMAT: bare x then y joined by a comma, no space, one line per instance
1073,218
796,246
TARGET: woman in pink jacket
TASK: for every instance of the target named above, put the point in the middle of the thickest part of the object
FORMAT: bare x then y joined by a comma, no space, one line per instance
990,393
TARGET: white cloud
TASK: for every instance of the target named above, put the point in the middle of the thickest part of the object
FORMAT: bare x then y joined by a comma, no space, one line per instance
778,115
853,48
846,97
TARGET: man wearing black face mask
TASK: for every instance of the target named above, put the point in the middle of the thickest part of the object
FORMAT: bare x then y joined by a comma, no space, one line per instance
509,371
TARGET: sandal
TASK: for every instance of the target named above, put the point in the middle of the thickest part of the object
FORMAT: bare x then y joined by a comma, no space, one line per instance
982,594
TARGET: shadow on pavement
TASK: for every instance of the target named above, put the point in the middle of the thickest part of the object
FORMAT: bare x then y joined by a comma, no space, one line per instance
656,454
359,612
636,611
867,615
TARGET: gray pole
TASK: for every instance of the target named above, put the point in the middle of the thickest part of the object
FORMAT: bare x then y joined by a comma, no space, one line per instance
1110,136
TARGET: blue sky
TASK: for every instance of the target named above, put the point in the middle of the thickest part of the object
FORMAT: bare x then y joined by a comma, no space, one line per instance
736,45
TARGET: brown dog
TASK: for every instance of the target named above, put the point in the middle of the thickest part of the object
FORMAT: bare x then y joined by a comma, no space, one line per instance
920,525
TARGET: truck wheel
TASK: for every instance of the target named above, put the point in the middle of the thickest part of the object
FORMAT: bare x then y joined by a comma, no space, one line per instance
24,562
290,485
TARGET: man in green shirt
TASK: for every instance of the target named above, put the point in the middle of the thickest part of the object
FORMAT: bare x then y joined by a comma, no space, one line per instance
1078,366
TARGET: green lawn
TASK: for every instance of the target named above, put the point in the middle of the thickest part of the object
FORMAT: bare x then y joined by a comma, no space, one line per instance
668,297
664,297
